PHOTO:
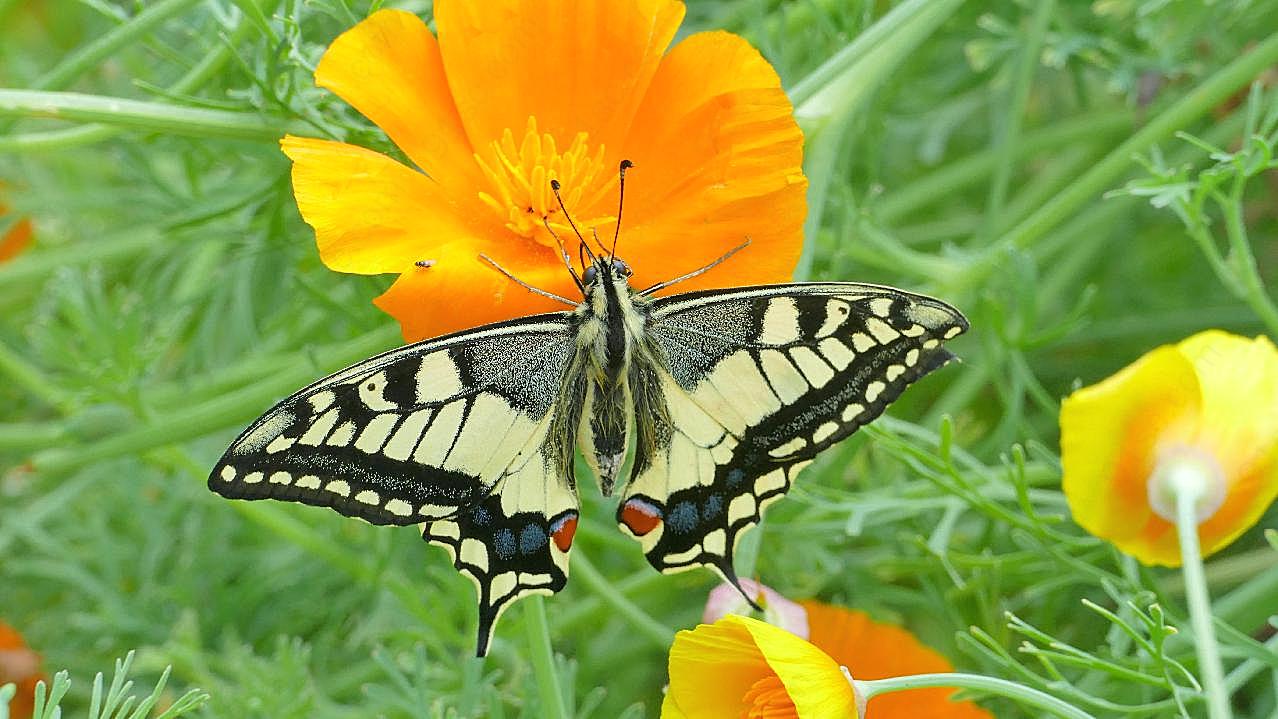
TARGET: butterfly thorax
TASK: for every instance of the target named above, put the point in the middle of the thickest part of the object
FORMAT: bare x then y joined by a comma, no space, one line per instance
612,321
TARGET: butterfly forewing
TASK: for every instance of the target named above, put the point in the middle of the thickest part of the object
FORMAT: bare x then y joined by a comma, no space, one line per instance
753,383
460,433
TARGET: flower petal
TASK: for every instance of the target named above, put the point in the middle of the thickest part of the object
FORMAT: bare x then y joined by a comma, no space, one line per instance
1110,432
711,669
459,290
371,214
778,611
389,68
873,650
718,160
814,681
576,65
1239,426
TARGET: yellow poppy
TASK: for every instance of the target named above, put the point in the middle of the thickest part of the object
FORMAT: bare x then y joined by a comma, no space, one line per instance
1208,405
740,666
489,113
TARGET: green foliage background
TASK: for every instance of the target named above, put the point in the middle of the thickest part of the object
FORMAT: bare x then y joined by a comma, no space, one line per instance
1018,159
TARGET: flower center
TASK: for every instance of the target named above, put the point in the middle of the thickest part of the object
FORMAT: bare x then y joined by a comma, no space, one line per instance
768,699
520,176
1186,469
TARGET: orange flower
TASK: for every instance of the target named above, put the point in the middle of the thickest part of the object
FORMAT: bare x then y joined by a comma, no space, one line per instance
515,93
743,667
1207,409
21,666
15,234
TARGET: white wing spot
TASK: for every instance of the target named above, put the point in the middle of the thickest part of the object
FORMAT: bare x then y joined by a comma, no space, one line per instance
405,439
445,530
781,321
253,477
783,376
368,496
881,307
228,473
931,343
321,401
399,508
372,392
315,435
788,448
837,352
852,411
504,584
953,332
437,378
881,330
912,357
741,507
815,370
474,552
280,443
771,482
342,435
716,542
439,436
862,342
308,481
376,432
338,486
824,432
894,371
914,331
836,313
873,390
281,478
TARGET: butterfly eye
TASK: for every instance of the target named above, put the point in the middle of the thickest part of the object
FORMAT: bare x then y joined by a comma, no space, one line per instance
589,276
621,268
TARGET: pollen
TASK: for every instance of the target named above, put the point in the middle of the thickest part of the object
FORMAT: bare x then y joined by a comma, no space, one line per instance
519,176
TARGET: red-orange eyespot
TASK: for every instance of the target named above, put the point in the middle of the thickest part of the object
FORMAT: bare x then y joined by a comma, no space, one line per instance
563,529
640,516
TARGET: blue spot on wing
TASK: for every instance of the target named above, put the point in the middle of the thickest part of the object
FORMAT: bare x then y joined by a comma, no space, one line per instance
504,543
531,539
682,517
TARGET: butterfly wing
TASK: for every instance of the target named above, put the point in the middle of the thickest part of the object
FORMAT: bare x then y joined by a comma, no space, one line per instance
746,386
462,433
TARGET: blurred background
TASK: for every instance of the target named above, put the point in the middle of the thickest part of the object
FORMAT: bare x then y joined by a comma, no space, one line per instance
1019,159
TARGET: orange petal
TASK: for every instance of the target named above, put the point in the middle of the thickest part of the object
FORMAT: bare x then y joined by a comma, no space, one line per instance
711,669
872,650
460,291
389,68
718,160
575,65
16,238
21,666
371,214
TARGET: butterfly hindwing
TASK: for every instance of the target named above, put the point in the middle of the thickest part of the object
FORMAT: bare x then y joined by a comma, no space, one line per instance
460,433
752,384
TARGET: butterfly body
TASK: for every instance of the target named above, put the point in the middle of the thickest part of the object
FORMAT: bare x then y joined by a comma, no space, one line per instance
714,400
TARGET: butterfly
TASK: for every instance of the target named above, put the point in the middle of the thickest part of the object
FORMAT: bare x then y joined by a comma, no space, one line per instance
699,407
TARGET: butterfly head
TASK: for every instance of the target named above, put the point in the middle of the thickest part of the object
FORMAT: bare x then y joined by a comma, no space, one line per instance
609,269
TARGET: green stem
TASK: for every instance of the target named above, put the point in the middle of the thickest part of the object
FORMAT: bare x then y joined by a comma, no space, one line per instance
543,658
95,52
1106,173
1244,261
659,634
1209,667
866,690
141,115
1007,141
24,375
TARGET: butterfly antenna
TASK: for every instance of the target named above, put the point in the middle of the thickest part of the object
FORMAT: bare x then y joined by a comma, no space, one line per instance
563,252
621,200
554,187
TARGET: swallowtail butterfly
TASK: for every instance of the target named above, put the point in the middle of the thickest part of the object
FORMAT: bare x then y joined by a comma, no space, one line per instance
700,408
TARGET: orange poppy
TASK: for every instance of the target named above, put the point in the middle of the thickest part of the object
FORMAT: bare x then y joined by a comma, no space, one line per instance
1205,408
490,112
21,666
15,234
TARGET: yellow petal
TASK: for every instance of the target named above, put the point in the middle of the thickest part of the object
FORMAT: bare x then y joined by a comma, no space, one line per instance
389,68
1109,437
1238,426
371,214
711,669
814,681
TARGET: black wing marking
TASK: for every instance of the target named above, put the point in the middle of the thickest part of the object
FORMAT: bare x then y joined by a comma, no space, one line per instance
756,382
459,432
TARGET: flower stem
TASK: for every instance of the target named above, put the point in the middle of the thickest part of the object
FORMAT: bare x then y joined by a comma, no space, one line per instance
658,633
543,658
991,685
1209,667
